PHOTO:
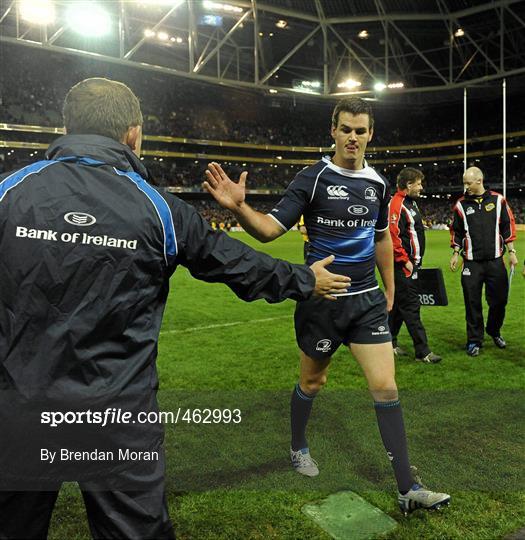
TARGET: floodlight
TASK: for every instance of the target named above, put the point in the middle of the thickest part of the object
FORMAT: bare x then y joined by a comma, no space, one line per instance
459,32
363,34
37,11
214,6
396,85
163,36
89,19
311,84
149,32
273,91
379,86
281,23
170,3
306,86
349,83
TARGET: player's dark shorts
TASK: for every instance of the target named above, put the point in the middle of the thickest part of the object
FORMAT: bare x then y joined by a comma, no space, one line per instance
322,325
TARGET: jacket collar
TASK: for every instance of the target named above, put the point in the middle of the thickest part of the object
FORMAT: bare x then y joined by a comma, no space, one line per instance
401,193
484,195
98,148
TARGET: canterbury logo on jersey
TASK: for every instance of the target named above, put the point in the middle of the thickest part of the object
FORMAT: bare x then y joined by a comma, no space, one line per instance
337,192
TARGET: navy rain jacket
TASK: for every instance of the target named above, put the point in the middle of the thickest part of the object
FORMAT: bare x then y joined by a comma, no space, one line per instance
87,249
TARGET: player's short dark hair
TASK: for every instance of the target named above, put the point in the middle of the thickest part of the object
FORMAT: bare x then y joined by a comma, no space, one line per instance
353,105
409,175
100,106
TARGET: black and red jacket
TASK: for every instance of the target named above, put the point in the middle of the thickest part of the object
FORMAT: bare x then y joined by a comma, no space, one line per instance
482,225
406,229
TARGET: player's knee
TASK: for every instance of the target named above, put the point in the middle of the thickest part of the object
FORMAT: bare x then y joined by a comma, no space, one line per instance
384,390
313,384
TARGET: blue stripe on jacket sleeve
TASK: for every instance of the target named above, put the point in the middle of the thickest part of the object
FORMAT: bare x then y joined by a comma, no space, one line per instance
19,176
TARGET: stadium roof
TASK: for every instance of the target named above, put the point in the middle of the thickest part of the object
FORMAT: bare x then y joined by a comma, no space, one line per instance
322,48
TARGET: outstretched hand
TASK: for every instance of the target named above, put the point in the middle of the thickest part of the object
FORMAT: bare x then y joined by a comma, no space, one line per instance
326,283
227,193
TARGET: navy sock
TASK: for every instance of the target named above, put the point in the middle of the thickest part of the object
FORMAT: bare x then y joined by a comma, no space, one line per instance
300,407
392,429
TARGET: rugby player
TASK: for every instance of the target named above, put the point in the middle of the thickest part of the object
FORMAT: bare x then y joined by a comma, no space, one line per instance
345,208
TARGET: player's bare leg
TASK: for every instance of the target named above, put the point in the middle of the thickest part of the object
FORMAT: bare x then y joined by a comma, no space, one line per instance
312,377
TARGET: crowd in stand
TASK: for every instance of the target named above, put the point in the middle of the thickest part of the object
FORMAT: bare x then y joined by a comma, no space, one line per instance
437,213
190,174
33,93
220,218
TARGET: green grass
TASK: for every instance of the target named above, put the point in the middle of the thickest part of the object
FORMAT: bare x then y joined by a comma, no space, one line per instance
464,419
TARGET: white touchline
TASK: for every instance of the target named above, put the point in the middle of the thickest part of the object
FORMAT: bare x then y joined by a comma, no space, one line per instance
222,325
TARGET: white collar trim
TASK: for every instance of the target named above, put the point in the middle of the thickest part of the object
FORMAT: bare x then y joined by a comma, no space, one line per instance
366,171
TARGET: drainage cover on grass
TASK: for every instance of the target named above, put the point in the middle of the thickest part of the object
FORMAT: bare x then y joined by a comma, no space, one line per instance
346,516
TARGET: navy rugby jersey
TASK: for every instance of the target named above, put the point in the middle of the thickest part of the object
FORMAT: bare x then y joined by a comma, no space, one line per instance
343,209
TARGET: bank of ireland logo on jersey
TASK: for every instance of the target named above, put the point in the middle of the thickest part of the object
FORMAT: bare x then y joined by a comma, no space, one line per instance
357,210
370,194
337,192
81,219
323,345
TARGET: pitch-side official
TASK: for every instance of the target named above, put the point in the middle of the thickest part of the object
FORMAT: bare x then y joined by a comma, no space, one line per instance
482,230
408,239
88,247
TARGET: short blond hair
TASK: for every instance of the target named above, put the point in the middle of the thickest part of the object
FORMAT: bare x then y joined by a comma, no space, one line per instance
101,106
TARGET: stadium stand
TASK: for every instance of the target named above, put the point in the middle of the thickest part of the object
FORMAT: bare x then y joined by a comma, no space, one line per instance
180,108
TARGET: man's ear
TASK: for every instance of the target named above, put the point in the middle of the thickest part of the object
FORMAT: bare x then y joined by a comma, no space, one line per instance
371,134
333,131
133,138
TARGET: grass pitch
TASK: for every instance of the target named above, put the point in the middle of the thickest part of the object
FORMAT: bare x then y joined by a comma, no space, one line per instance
464,419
